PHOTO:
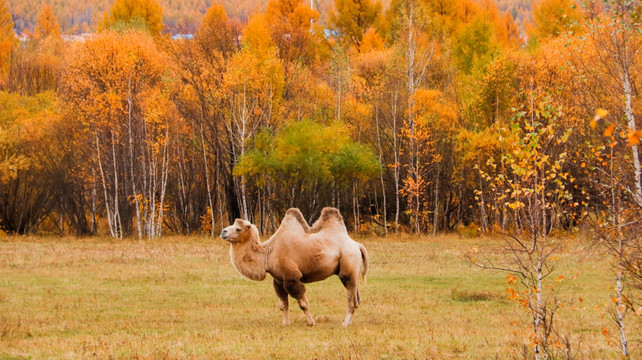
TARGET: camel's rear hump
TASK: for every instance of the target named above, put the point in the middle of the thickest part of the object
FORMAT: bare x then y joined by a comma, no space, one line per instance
330,217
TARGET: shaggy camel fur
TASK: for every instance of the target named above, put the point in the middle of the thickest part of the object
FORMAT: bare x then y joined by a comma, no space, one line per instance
297,254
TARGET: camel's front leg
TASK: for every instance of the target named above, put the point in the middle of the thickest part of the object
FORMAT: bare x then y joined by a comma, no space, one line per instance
297,290
284,303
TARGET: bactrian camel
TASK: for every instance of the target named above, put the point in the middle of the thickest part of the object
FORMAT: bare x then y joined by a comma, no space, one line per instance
297,254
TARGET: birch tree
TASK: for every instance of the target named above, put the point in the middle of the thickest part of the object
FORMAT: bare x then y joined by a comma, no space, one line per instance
536,185
111,82
253,83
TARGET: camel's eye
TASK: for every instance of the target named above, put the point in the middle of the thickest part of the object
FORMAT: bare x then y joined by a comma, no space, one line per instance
239,229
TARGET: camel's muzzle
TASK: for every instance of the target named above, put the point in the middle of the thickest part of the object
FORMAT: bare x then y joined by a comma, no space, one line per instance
225,234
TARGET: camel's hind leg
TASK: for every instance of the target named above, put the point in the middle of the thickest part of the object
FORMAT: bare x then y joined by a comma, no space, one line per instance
297,290
284,303
350,281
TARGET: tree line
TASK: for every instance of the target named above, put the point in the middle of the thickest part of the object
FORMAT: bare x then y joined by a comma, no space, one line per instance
182,16
401,118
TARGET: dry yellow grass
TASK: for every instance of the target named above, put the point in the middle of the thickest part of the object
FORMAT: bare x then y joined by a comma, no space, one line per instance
179,297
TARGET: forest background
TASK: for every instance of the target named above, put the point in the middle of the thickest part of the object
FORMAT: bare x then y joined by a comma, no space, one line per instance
415,115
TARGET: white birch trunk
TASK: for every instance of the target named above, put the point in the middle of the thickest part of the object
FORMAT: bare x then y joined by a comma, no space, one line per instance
413,161
383,185
620,308
538,314
619,303
164,176
207,176
630,117
396,140
110,221
244,119
94,222
131,157
118,225
435,214
151,197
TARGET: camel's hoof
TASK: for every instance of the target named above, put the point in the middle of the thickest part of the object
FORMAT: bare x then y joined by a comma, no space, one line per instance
285,323
347,322
311,323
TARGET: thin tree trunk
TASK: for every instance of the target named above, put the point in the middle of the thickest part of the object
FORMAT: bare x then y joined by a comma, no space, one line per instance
482,204
538,314
164,176
110,221
383,185
94,222
619,303
131,157
182,194
630,116
417,209
435,220
207,176
244,119
354,208
339,93
147,163
220,194
117,221
620,306
396,167
414,156
151,196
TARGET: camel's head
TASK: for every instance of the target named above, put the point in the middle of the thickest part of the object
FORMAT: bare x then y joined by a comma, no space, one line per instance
240,231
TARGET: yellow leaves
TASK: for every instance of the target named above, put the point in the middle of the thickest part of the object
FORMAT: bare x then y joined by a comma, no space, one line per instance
255,73
256,35
609,130
433,109
372,41
599,114
206,221
633,137
26,125
130,12
10,165
289,26
511,279
559,278
605,331
214,18
47,24
552,17
515,205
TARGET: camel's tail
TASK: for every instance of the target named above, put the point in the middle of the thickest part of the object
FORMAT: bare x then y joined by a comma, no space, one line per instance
364,259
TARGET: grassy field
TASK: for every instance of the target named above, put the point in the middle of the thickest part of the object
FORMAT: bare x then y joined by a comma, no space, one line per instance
179,298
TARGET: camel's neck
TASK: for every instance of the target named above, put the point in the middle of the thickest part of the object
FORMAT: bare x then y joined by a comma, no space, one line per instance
250,259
